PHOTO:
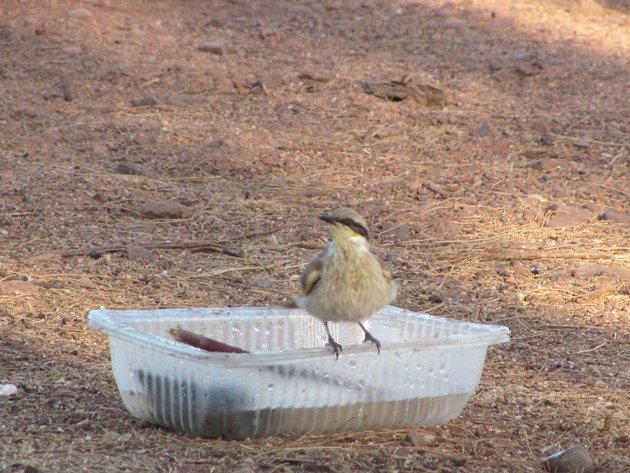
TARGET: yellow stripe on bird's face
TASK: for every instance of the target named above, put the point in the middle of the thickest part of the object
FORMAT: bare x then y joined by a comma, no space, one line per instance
346,225
345,237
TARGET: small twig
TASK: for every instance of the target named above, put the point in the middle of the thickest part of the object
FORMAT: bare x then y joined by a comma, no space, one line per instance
603,143
390,230
203,343
247,236
435,188
149,82
529,447
218,272
309,147
189,245
306,246
17,214
622,192
591,349
571,327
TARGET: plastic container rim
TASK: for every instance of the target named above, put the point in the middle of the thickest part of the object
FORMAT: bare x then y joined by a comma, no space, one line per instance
104,321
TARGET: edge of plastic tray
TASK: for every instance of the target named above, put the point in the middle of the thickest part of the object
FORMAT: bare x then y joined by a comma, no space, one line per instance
102,320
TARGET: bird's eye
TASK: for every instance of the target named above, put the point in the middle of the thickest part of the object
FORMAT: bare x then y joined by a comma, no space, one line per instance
355,227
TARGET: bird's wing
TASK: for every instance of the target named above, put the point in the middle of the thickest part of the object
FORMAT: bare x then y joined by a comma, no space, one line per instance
387,274
312,273
389,277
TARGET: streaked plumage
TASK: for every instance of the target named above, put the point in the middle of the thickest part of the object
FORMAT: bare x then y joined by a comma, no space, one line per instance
346,282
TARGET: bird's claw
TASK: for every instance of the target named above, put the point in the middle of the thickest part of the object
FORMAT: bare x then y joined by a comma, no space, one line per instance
370,338
337,348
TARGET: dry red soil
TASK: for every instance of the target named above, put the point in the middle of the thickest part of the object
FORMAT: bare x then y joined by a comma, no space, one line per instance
486,143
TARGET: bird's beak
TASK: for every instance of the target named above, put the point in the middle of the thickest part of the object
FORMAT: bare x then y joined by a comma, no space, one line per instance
327,218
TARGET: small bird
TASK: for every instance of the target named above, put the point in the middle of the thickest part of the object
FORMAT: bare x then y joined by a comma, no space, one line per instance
346,282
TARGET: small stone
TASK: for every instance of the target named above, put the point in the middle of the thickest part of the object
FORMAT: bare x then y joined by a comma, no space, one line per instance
272,36
544,164
218,143
414,439
615,216
139,253
123,71
218,47
95,254
525,69
100,197
146,101
40,43
174,68
581,144
587,270
70,91
436,298
571,460
495,65
182,100
535,198
17,287
444,228
79,14
559,274
126,168
273,80
164,209
51,95
264,283
8,389
541,126
485,130
414,186
562,216
402,233
20,468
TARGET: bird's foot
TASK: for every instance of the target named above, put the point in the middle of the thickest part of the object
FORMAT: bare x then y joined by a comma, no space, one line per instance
370,338
337,348
331,341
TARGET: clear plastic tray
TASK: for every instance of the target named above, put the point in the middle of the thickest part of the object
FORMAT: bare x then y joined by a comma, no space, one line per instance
291,384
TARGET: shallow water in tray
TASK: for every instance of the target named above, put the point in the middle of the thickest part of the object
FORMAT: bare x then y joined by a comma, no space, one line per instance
225,411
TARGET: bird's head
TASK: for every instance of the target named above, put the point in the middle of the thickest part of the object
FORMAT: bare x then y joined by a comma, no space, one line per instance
346,225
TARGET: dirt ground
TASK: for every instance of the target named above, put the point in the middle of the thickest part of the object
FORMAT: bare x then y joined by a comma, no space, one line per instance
485,141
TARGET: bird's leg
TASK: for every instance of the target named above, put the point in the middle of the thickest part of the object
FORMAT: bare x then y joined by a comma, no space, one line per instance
331,341
370,338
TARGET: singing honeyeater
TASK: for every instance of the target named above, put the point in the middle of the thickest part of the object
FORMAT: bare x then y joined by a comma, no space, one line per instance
346,282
